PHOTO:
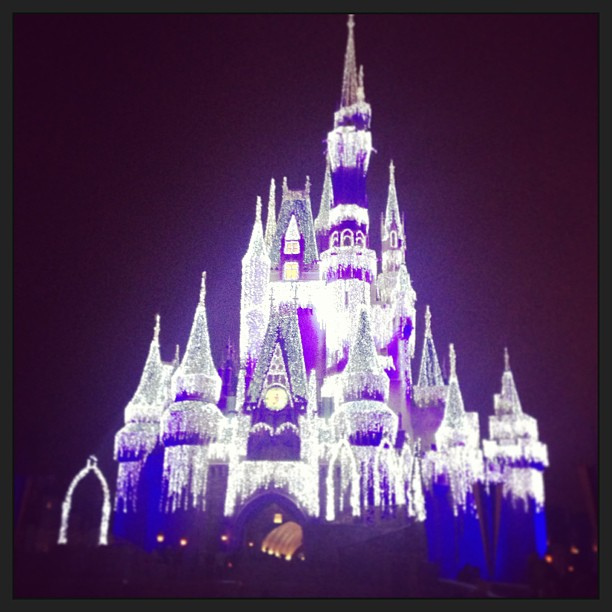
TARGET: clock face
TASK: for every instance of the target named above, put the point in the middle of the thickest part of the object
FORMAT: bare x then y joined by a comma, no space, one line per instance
276,398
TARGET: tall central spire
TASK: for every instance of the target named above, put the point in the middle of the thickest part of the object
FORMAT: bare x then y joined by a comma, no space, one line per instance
350,79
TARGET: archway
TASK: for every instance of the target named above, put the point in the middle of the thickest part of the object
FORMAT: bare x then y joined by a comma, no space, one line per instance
258,521
92,465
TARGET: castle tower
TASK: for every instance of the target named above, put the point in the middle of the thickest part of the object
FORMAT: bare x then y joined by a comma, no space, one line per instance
191,422
139,451
348,266
363,417
392,235
138,438
453,471
428,395
395,305
515,462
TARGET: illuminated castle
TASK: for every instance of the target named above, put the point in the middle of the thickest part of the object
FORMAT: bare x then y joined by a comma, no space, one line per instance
326,417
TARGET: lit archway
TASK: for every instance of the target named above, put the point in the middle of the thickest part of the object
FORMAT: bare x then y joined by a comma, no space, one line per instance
91,466
259,517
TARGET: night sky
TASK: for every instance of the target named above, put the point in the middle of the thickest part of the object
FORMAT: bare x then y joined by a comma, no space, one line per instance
141,142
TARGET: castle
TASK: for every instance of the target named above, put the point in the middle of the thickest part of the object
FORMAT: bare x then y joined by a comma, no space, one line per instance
326,419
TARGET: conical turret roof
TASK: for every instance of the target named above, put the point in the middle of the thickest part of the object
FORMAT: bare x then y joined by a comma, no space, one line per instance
363,375
430,374
196,377
146,404
392,213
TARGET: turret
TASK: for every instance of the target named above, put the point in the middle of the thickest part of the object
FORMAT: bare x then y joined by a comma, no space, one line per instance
430,388
192,422
515,456
349,144
392,230
196,378
193,417
364,416
137,439
515,461
458,427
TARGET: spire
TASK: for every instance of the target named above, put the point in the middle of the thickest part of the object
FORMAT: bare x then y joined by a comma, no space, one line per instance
203,289
271,218
454,410
144,404
507,402
156,330
392,211
257,244
322,220
196,376
350,79
430,374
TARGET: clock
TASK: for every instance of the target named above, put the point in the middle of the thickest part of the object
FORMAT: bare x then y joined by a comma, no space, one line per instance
276,398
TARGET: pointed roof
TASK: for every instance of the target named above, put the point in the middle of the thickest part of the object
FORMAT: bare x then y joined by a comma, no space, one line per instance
257,244
430,374
282,334
454,411
295,202
350,77
327,199
392,214
507,402
196,375
147,393
271,217
363,373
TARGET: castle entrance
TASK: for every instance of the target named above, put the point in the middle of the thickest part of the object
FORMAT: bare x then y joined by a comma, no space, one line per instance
269,526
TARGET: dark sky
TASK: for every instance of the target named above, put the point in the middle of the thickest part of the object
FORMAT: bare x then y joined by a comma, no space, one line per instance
141,142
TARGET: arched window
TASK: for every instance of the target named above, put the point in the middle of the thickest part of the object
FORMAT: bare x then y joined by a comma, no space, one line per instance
333,240
393,239
346,239
360,239
291,270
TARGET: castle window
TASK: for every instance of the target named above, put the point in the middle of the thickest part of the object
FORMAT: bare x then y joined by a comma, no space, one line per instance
346,238
360,239
393,240
333,240
292,247
291,271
